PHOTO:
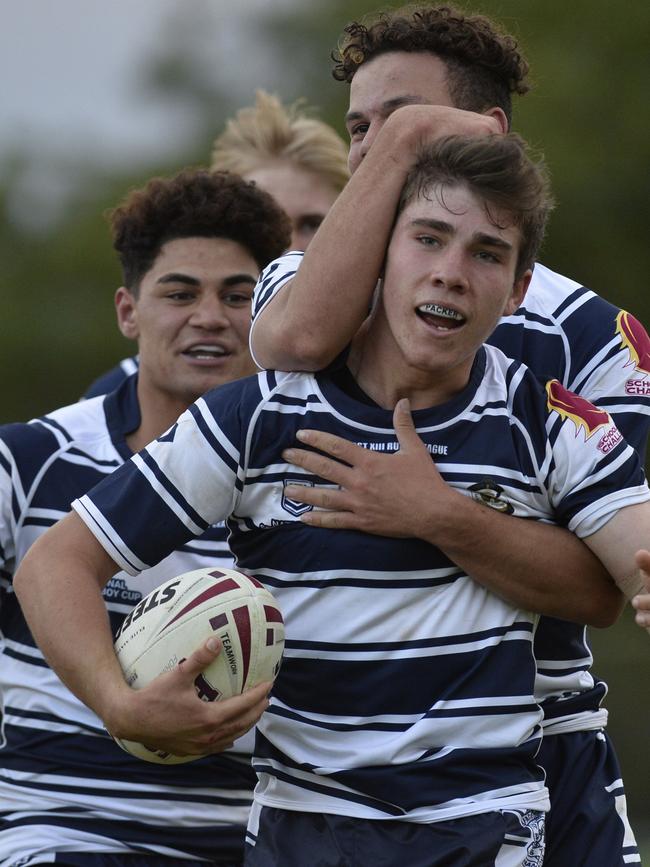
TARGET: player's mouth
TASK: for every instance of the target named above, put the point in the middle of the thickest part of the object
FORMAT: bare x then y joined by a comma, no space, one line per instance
206,352
440,317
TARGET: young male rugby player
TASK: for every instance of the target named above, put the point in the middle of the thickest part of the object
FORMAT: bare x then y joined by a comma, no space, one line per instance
403,726
298,159
415,74
191,248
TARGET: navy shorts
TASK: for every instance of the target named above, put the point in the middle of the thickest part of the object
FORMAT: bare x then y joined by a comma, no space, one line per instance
588,823
287,838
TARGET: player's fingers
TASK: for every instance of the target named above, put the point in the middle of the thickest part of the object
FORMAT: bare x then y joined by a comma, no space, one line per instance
332,520
201,658
320,465
324,498
338,447
407,435
642,618
249,703
642,558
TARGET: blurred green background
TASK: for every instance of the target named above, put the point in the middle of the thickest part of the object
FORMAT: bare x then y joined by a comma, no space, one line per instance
588,112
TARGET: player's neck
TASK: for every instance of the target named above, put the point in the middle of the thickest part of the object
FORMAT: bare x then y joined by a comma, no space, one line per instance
387,377
158,412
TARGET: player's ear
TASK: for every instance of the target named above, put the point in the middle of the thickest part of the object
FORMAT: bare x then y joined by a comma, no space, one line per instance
127,313
519,289
500,116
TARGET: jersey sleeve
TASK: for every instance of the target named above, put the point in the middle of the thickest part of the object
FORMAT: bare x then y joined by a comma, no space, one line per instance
610,365
9,502
592,471
276,275
174,489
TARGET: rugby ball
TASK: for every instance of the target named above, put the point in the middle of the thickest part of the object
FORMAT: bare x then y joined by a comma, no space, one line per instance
179,616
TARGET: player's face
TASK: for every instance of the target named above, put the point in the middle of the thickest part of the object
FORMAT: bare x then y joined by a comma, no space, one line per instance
386,83
449,276
192,318
305,196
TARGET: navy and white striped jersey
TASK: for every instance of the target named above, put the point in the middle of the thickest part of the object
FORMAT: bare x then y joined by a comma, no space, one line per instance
406,690
566,332
64,784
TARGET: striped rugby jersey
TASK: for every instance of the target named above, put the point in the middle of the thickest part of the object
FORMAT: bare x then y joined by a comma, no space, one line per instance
406,689
562,331
64,784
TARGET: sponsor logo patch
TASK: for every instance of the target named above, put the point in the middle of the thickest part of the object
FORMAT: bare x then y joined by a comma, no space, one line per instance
489,493
637,387
569,405
610,440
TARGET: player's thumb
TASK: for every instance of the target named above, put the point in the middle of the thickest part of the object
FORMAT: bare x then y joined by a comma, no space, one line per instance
643,562
201,658
407,435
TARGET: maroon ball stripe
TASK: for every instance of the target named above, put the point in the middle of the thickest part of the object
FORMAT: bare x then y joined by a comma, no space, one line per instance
242,620
273,615
215,590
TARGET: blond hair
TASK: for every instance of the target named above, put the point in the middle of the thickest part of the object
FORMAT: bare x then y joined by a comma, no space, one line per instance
270,131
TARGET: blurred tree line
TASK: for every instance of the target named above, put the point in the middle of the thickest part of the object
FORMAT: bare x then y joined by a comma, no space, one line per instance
587,112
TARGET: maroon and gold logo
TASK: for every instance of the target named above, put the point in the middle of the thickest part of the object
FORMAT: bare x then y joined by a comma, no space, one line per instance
635,339
569,405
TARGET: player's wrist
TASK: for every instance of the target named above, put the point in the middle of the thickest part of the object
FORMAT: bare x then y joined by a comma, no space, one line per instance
446,520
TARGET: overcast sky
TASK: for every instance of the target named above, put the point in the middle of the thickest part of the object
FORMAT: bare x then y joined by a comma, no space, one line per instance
68,70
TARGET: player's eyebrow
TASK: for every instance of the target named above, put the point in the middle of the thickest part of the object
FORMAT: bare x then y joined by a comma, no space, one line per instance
177,277
230,280
430,223
388,106
235,279
492,241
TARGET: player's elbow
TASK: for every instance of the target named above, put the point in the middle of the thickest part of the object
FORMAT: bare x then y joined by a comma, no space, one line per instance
607,608
290,349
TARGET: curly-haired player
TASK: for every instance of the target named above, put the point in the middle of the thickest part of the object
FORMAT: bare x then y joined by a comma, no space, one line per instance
298,159
191,248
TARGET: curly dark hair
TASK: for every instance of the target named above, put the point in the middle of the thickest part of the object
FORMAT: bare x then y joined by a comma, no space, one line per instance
195,203
500,170
484,65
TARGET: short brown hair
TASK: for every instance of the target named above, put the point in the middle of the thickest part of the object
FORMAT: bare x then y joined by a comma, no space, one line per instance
484,65
500,171
195,203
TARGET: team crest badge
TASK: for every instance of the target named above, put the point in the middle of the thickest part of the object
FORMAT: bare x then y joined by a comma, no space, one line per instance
569,405
295,507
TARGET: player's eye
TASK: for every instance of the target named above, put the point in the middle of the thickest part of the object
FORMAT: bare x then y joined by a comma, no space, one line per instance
427,240
238,299
488,256
358,130
310,224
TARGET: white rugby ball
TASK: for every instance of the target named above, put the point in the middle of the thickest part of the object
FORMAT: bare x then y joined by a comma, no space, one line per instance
179,616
